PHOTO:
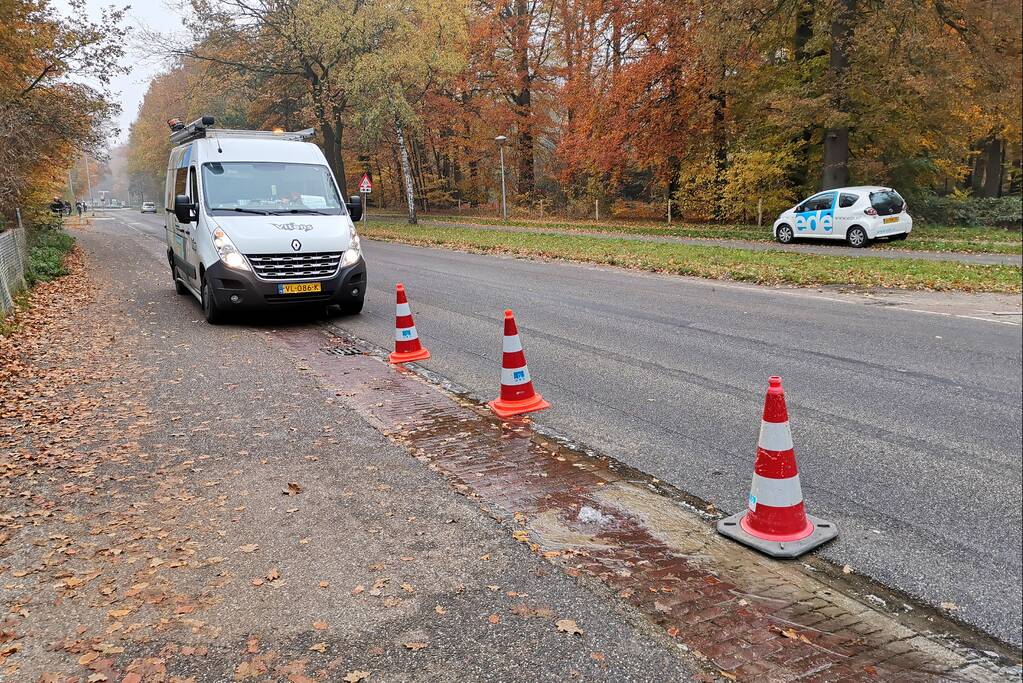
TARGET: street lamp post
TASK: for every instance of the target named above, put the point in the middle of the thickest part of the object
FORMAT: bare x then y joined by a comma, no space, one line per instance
88,179
500,140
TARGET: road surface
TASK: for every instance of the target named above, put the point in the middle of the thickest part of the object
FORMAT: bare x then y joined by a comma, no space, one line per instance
907,424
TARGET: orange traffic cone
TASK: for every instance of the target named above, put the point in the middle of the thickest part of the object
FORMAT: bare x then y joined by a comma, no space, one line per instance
406,338
517,393
776,522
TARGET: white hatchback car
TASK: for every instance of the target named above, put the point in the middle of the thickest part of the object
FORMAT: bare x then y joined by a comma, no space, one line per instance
854,214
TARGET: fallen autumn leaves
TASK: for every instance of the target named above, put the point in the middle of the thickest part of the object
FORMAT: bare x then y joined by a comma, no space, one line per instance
132,548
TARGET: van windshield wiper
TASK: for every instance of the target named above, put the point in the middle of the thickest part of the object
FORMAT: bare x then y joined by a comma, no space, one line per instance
241,210
312,211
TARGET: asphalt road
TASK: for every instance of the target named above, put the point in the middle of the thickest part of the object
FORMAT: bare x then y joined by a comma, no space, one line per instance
907,425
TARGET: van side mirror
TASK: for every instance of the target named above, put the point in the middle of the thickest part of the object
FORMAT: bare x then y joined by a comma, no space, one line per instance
184,209
355,208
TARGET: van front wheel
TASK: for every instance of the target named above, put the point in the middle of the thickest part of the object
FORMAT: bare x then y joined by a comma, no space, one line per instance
214,316
352,307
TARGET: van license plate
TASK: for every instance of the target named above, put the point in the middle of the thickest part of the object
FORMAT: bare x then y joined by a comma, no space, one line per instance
299,288
891,219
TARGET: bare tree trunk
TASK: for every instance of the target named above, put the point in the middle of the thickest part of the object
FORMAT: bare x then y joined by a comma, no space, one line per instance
406,172
719,136
836,140
977,172
616,39
801,39
524,98
342,179
332,131
993,168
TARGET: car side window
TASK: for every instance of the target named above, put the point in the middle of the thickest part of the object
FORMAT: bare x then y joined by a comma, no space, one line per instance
847,200
819,203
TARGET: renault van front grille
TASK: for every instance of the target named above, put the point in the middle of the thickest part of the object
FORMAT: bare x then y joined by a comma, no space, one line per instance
295,266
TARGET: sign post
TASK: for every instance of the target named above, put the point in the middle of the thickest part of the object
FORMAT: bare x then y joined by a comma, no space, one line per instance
365,188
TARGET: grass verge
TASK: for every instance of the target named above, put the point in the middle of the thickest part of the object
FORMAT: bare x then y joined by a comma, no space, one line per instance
720,263
923,238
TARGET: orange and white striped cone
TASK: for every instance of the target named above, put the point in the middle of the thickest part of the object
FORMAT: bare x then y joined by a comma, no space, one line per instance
517,393
406,338
776,522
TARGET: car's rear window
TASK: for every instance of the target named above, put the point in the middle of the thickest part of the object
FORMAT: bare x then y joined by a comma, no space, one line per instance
887,202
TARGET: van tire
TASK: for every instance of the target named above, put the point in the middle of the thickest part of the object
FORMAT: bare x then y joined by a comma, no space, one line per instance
784,234
352,308
856,237
179,286
214,316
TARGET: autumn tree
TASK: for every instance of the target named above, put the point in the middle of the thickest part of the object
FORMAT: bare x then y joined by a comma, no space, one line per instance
419,51
313,43
49,115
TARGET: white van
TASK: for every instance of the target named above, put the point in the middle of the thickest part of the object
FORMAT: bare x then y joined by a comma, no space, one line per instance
854,214
255,221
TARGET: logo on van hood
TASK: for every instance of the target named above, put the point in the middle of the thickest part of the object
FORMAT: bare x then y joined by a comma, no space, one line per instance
296,245
304,227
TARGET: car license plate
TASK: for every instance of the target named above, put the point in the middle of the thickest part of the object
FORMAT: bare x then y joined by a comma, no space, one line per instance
891,219
299,288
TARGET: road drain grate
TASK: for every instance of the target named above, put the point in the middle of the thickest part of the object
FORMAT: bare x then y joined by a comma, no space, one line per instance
347,350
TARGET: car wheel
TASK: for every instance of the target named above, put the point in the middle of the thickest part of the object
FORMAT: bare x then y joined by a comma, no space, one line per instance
785,234
856,237
214,316
901,236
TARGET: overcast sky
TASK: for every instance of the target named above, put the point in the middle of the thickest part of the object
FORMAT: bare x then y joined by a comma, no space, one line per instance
130,88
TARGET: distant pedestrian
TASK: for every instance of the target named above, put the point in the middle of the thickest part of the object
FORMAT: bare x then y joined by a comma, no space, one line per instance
79,207
57,206
67,208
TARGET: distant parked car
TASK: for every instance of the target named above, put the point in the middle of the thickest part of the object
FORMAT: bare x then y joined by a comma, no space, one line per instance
148,207
854,214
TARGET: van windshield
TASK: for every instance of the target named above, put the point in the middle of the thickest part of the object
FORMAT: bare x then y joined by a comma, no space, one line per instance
269,187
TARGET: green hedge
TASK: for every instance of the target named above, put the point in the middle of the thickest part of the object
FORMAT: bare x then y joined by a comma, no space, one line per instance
1003,212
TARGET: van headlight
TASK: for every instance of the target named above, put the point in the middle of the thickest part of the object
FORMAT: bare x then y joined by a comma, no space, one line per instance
354,251
229,254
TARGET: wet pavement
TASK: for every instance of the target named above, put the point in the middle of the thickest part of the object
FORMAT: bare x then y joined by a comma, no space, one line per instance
744,616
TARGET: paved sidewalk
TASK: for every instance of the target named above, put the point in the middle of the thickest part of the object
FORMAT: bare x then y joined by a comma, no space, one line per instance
185,503
808,247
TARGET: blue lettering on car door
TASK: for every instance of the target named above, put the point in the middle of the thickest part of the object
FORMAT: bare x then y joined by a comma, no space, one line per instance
819,216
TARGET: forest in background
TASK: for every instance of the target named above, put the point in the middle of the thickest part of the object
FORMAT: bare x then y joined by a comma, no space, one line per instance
720,106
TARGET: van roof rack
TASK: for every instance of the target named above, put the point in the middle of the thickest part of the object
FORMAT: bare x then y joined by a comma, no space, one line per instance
200,128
